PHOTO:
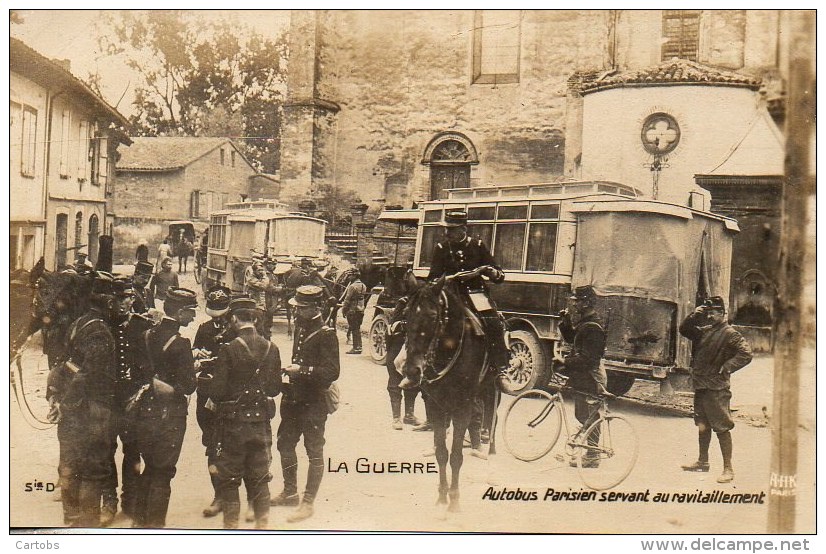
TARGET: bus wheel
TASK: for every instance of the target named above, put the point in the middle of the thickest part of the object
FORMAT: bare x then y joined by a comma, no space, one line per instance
528,363
619,383
376,339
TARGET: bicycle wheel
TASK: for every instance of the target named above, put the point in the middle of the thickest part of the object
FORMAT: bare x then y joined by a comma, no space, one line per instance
606,452
197,273
532,425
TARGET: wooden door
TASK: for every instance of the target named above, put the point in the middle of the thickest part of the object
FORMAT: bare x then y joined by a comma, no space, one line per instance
449,176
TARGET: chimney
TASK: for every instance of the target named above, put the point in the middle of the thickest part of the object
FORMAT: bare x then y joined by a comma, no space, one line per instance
64,63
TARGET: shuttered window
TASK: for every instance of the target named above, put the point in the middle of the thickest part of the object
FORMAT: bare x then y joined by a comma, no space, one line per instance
29,142
681,34
65,143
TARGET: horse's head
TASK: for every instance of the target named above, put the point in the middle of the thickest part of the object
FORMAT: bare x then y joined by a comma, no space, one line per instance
425,324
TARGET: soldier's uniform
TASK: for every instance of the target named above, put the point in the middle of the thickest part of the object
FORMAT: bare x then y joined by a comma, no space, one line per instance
246,376
587,338
208,339
160,424
303,406
143,295
85,388
128,334
467,255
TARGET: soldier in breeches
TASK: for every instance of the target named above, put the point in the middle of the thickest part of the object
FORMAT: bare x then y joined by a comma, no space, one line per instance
718,350
169,375
128,329
82,392
315,366
247,375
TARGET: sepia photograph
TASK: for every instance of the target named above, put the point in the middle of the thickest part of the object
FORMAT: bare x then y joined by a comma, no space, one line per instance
494,271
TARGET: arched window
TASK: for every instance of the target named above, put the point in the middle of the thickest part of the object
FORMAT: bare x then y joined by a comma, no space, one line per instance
94,235
78,230
450,156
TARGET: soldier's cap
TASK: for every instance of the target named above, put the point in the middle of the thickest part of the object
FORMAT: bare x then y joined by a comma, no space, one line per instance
715,303
81,252
217,300
144,268
306,261
455,218
177,299
307,295
122,286
102,283
241,304
585,292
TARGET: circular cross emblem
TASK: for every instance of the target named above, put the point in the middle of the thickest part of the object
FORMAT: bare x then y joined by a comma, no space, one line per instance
660,133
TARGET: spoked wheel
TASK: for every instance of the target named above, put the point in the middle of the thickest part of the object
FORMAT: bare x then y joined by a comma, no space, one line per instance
197,273
376,338
606,452
532,425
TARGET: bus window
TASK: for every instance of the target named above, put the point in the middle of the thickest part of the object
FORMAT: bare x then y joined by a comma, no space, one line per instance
481,213
541,247
481,231
513,212
510,243
430,236
432,216
545,211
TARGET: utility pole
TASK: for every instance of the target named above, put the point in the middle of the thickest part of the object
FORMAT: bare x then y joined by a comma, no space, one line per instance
797,188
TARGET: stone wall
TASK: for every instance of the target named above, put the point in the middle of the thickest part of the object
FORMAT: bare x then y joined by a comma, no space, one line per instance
403,77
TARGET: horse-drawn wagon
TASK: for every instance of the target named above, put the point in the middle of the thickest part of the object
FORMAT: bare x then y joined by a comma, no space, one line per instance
649,262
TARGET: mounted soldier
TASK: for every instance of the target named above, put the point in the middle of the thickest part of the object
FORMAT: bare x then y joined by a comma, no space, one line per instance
470,258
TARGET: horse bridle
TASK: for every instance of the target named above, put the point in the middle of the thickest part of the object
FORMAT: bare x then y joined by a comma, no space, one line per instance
441,324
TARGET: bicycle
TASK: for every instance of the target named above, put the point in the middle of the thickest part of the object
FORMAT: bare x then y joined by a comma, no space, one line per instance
200,266
605,447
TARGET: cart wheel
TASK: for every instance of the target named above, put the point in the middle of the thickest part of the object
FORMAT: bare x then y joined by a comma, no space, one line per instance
197,273
376,339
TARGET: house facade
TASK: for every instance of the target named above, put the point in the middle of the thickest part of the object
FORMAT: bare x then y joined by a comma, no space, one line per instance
64,142
164,179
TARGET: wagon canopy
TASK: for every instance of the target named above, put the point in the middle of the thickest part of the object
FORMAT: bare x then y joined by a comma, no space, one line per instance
652,250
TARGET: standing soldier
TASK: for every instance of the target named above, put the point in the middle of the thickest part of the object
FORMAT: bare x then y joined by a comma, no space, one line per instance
82,394
586,335
353,309
246,377
128,329
144,300
169,376
257,285
315,366
718,350
208,339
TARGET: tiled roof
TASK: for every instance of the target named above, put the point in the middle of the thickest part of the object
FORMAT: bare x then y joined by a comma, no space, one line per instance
25,60
672,72
166,153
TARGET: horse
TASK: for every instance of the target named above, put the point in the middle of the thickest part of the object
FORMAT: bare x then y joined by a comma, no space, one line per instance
447,359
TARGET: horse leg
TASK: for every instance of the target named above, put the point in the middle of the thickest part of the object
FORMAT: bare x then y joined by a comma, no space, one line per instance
461,420
439,441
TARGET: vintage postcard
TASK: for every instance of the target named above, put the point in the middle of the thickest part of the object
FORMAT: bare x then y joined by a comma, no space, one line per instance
471,271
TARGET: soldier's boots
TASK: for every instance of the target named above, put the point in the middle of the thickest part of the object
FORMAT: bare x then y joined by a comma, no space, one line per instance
232,512
261,510
397,424
285,498
727,476
304,511
157,505
71,509
411,419
698,466
249,517
213,509
89,503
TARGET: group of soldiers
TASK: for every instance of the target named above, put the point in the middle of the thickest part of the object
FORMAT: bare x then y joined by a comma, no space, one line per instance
127,373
